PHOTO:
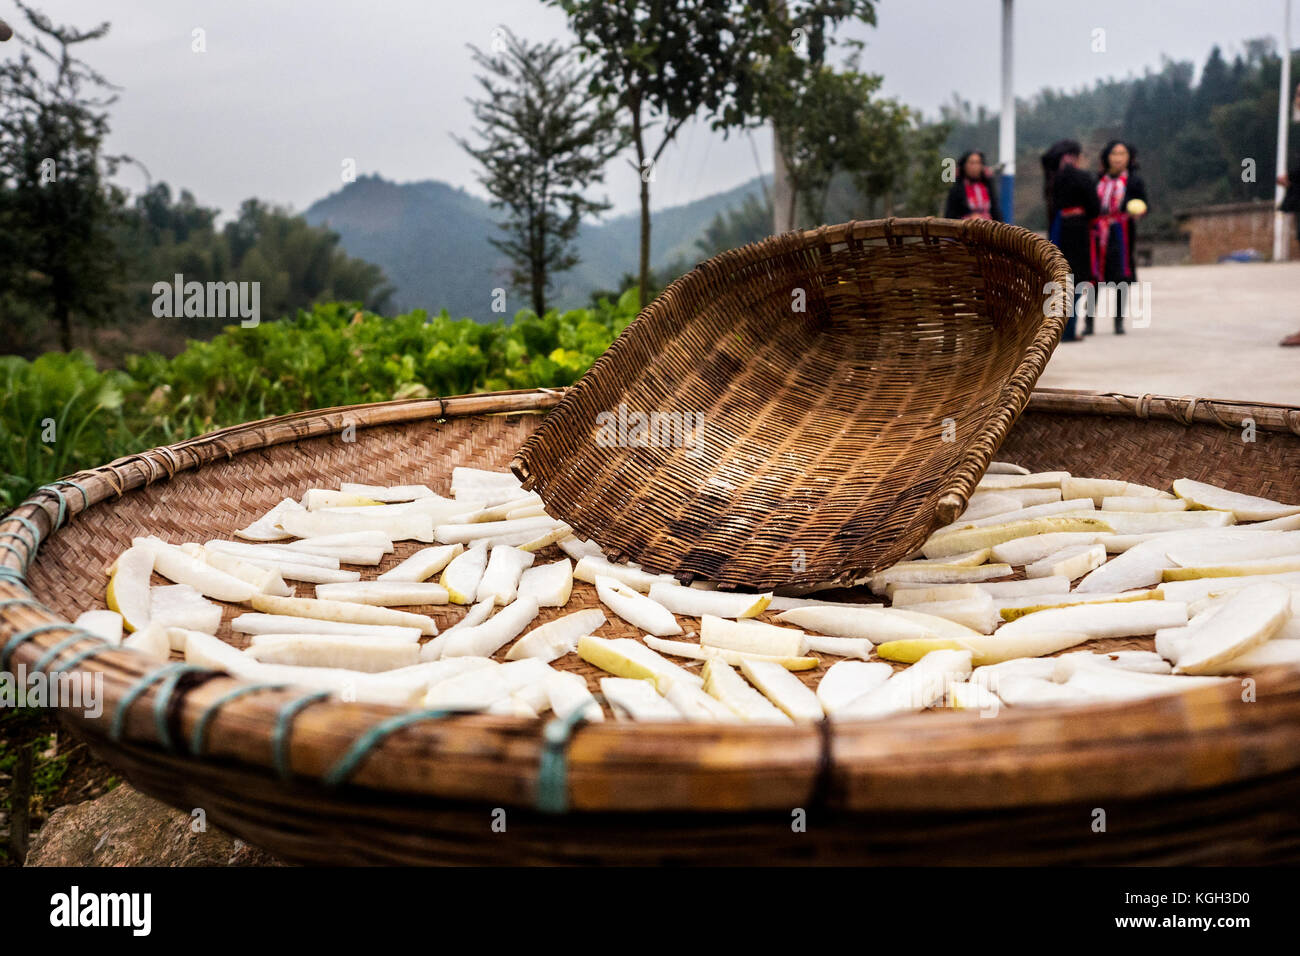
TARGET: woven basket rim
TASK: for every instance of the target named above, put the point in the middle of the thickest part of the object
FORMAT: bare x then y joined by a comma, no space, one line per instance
834,758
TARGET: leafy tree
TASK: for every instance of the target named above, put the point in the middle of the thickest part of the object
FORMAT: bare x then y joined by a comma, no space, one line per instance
57,209
545,143
738,226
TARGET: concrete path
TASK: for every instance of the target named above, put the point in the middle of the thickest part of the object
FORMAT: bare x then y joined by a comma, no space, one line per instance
1213,333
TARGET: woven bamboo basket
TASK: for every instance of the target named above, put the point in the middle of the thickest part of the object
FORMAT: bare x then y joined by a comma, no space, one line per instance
1211,776
804,409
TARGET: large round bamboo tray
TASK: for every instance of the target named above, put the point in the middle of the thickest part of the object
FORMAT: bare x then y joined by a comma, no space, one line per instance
1211,776
805,408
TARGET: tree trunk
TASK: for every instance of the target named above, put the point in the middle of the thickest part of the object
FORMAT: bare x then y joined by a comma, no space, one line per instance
782,190
539,291
20,801
64,317
644,277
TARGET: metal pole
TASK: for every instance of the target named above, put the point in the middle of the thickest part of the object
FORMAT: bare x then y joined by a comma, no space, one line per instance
1007,117
1280,243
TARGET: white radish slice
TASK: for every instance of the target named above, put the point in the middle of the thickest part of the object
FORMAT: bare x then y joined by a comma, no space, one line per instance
1253,616
1045,510
480,688
342,612
1204,587
180,606
1128,503
1248,547
579,548
1025,497
1269,654
558,637
633,699
1011,589
1243,507
384,593
316,499
311,573
1044,479
484,640
105,624
1098,489
463,573
986,505
1116,684
285,624
729,688
628,658
876,624
1025,551
326,651
387,493
422,565
1146,662
751,637
920,686
512,706
934,594
550,585
1018,690
567,692
270,554
963,695
481,530
780,603
998,590
985,649
989,675
1141,565
911,574
701,652
175,565
345,555
1073,562
980,614
957,542
968,559
783,689
1124,619
694,602
698,707
266,579
837,646
318,524
846,681
463,476
1005,468
267,527
1289,523
128,586
342,541
500,580
475,616
635,608
593,566
151,640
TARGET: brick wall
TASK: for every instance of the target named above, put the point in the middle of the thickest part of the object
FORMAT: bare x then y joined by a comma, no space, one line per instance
1215,231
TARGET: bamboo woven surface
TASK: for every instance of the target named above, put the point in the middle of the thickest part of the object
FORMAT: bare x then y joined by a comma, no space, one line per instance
930,763
815,401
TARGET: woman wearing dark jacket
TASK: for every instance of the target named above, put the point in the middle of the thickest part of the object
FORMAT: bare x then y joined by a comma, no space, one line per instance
1072,204
972,196
1121,200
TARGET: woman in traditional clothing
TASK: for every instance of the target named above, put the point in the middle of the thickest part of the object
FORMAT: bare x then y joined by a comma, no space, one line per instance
972,196
1122,200
1072,204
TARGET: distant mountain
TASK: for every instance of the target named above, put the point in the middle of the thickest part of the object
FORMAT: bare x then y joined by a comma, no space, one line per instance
431,239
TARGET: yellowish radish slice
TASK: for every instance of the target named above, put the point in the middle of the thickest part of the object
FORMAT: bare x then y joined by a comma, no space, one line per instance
956,542
175,565
422,565
325,651
1025,551
633,699
342,612
635,608
846,681
314,499
698,707
1243,507
1045,510
783,689
729,688
1280,565
484,640
105,624
963,695
530,510
628,658
267,527
1013,608
696,603
1073,562
968,559
387,493
128,586
592,566
567,692
920,686
1253,616
1124,619
475,616
463,573
558,637
500,580
1098,489
316,524
550,585
1148,522
752,637
700,652
287,624
384,593
1045,479
179,605
985,648
265,579
558,531
1129,503
151,640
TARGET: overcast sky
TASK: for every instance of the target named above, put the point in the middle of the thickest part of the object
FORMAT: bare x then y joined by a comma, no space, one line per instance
287,89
